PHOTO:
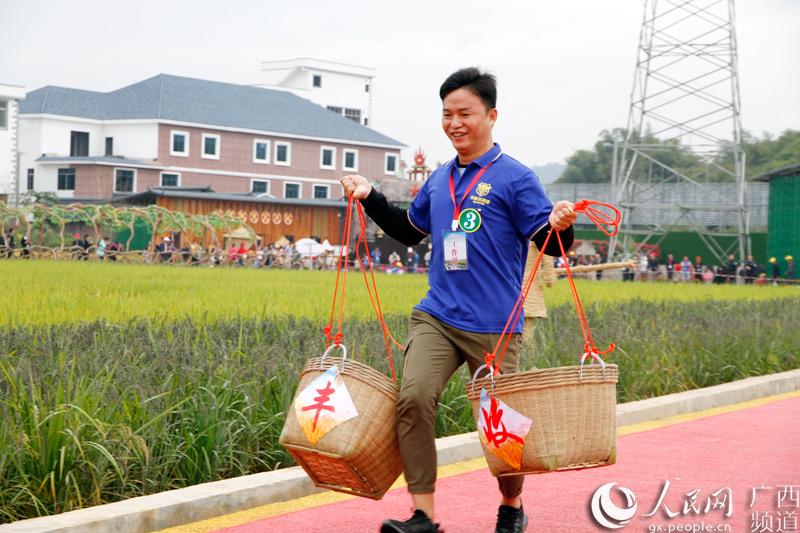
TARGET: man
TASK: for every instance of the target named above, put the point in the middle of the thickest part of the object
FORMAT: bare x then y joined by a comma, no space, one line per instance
686,269
653,267
481,210
670,266
789,269
733,266
87,243
698,268
750,268
776,271
165,250
10,243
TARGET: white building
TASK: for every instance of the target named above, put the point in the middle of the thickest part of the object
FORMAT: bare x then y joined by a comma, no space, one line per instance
341,88
170,131
10,95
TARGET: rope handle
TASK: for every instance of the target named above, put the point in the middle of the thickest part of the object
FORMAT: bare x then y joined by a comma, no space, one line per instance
599,218
478,371
594,357
324,355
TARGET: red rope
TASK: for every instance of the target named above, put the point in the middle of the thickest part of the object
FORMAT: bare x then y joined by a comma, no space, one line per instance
376,304
337,339
596,216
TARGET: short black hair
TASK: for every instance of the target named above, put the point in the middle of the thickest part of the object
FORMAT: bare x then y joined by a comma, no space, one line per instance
481,84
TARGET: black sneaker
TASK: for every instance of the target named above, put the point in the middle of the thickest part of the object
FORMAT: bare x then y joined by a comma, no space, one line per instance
511,520
419,523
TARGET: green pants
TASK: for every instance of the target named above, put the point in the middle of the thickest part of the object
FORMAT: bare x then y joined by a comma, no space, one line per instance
433,353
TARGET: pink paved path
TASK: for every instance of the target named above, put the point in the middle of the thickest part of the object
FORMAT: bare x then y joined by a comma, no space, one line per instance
739,450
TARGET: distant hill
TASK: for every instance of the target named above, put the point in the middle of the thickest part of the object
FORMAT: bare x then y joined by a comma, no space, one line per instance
549,172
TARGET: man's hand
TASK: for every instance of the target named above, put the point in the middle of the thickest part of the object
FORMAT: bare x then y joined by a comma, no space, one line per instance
357,186
563,215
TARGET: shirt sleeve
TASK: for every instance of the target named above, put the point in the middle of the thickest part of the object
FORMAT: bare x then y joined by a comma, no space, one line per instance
531,215
419,214
391,219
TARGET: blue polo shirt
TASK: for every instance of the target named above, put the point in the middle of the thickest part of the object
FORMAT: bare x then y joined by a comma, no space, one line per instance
512,207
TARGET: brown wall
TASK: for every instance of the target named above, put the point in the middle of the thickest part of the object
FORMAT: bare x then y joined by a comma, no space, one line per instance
97,181
296,221
236,155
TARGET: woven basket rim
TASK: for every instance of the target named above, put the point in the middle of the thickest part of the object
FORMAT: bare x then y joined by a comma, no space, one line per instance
544,378
354,370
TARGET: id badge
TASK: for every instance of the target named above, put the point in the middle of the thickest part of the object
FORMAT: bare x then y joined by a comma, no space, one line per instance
455,250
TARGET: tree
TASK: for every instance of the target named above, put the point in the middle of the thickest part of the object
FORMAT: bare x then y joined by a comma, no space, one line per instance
762,155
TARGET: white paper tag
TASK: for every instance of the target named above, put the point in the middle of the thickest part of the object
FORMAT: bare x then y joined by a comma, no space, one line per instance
502,430
324,404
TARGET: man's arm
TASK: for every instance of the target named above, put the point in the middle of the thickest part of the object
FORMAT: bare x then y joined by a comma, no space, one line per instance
561,219
391,219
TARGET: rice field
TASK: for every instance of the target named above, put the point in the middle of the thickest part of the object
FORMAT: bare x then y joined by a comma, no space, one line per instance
50,292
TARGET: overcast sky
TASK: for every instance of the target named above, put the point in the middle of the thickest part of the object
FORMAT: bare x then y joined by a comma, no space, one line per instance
565,67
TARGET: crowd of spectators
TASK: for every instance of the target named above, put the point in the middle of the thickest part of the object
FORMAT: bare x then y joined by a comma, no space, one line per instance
648,266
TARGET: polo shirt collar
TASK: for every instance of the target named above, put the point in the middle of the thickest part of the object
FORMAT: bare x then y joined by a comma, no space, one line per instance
484,160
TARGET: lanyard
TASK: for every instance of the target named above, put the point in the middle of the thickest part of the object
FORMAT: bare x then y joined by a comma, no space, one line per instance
457,206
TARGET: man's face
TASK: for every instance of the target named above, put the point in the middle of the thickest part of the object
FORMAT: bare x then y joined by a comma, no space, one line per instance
468,124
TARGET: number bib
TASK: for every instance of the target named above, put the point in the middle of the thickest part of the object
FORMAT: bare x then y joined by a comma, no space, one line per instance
469,220
454,244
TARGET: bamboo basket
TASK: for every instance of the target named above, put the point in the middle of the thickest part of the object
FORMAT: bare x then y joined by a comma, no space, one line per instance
361,456
574,418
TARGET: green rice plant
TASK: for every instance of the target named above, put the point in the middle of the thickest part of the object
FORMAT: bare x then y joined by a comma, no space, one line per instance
46,292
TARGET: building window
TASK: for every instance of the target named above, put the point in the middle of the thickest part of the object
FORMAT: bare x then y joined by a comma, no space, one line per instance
391,164
317,80
179,143
124,180
353,114
3,114
170,179
210,146
260,187
283,154
79,144
261,151
30,179
291,190
322,192
366,88
366,121
327,158
350,160
66,179
109,145
337,110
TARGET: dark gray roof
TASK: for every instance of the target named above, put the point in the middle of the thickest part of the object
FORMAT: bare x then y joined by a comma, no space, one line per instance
206,193
791,169
204,102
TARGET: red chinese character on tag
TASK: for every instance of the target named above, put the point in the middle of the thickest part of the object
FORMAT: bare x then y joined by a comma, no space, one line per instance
494,418
322,399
